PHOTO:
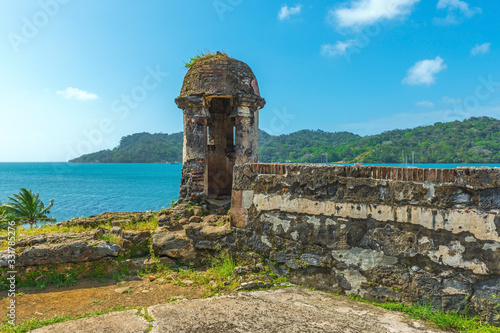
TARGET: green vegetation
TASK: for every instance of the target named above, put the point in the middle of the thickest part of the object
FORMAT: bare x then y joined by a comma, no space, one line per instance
222,266
5,217
26,207
150,224
39,280
213,276
110,238
475,140
443,319
303,146
203,55
140,148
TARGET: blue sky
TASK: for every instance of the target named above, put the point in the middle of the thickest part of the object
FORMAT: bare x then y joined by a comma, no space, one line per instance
76,76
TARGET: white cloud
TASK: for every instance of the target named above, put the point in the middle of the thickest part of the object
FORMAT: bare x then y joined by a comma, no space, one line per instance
480,49
457,10
286,12
449,100
78,94
370,126
425,104
365,12
424,72
336,49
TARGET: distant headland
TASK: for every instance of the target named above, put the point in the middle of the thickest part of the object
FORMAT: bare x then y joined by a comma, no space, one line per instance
474,140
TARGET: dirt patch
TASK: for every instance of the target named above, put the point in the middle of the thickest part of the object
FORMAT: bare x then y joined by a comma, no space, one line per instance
90,295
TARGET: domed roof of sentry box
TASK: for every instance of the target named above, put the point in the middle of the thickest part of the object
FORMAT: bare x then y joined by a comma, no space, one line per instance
218,74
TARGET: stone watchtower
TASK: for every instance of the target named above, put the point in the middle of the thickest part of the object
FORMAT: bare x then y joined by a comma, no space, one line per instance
221,101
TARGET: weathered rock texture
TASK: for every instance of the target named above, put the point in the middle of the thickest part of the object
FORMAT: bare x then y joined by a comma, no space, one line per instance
220,99
189,245
186,235
115,219
219,75
284,310
290,310
381,233
124,322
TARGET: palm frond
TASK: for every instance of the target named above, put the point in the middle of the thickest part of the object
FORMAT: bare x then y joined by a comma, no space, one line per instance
27,206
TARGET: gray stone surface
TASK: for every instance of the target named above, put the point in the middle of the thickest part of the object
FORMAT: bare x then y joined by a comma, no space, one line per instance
363,258
283,310
116,231
489,290
172,244
122,322
70,252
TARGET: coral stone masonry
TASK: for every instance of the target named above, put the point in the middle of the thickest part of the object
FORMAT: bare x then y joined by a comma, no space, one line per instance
377,232
220,99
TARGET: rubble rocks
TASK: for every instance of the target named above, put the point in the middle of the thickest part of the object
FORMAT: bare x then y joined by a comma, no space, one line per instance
253,285
69,252
186,243
116,219
173,244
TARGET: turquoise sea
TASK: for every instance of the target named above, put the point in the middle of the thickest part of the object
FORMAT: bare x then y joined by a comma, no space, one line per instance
86,189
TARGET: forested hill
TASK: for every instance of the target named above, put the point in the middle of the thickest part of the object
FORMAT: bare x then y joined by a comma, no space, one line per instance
305,145
476,140
139,148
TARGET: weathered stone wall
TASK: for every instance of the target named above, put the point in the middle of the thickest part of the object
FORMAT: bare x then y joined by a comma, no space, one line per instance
378,232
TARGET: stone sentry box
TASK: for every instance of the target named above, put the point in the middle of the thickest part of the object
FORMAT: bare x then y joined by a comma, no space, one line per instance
220,100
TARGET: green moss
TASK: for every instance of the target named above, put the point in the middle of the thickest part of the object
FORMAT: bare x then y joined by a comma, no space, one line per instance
203,56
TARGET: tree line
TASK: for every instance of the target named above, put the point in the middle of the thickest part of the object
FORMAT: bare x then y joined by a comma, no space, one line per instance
474,140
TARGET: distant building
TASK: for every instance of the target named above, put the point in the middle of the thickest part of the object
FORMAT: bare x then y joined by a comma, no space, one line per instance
220,99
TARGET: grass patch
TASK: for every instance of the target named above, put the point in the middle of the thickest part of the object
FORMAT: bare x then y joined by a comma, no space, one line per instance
34,323
39,280
442,319
203,55
110,238
151,224
50,229
213,277
22,232
222,267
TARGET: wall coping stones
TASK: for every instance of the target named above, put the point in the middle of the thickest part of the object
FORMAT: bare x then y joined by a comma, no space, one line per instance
462,176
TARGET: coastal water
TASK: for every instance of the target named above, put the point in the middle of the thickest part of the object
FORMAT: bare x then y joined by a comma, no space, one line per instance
86,189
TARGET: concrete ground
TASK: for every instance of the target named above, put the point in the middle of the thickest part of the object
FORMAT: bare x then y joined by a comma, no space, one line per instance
281,310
